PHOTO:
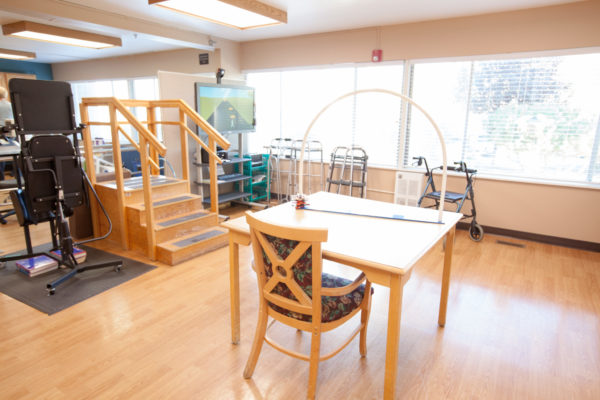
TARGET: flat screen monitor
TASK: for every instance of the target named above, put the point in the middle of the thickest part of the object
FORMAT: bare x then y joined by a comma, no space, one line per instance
228,108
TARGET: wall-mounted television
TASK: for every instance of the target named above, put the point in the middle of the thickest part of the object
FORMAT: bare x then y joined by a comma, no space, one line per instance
228,108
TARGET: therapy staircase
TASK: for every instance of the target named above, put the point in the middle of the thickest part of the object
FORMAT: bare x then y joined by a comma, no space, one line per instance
152,213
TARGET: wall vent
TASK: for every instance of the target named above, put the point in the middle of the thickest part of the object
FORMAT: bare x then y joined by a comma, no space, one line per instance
409,187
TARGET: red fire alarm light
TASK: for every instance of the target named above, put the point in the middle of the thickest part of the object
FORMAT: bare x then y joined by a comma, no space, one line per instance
377,55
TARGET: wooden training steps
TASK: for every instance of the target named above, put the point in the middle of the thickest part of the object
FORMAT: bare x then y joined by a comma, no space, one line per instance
152,213
182,228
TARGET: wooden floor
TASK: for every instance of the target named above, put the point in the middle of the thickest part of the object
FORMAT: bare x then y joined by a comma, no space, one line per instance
523,323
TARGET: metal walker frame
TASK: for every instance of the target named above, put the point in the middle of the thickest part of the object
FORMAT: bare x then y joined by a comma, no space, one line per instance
458,199
348,160
288,149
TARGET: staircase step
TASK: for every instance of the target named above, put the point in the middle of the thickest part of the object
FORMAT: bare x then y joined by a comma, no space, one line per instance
162,187
165,208
183,248
137,182
182,225
175,226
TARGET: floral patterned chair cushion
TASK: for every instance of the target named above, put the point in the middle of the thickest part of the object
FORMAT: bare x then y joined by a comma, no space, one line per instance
332,307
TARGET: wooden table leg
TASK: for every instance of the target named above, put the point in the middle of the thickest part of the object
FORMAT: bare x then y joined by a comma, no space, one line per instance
446,276
393,336
234,289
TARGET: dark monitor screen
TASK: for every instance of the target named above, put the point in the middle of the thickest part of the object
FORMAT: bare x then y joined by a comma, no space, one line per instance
228,108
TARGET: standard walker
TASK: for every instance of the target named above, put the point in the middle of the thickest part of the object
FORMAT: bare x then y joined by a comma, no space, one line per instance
458,199
346,163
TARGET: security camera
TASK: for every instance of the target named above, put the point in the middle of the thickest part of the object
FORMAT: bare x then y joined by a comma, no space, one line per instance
220,74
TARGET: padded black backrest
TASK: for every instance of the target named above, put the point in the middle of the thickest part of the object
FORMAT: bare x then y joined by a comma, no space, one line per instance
42,106
56,153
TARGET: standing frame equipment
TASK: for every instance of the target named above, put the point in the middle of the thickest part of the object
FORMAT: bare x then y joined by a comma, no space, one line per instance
458,199
50,164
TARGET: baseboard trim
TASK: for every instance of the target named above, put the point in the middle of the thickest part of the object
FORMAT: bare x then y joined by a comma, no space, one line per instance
536,237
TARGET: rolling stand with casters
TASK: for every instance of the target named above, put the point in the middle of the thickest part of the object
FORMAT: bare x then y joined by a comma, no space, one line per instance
50,165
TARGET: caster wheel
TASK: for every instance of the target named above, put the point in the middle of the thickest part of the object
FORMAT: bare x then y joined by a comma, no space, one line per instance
51,292
118,268
476,232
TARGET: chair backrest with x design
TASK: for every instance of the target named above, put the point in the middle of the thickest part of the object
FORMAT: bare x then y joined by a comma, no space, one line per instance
288,262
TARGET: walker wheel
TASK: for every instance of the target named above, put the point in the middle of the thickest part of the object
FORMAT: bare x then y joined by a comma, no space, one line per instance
476,232
118,268
51,291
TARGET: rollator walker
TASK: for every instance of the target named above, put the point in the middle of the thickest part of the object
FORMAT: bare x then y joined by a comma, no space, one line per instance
458,199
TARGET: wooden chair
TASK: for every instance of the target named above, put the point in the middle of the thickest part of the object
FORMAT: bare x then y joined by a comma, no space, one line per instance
294,291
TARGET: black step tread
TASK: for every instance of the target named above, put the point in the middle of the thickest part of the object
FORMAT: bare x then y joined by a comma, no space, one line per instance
182,218
190,240
172,200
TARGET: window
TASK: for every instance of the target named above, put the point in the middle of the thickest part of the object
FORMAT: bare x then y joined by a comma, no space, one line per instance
142,89
531,117
536,117
287,102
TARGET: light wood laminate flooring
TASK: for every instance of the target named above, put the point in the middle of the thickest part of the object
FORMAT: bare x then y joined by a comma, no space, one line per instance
523,323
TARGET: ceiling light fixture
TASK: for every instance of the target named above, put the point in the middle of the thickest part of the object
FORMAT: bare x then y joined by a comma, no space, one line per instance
16,55
47,33
240,14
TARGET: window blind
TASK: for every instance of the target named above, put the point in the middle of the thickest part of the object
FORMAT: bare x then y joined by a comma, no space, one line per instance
287,101
532,117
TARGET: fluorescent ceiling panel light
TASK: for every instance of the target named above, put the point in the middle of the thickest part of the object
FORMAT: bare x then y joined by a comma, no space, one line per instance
240,14
16,55
47,33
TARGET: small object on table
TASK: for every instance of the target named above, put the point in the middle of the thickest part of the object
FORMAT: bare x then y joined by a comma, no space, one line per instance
300,201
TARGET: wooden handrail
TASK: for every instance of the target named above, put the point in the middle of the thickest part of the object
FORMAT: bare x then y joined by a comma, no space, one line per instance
133,143
131,119
201,143
206,127
152,140
136,146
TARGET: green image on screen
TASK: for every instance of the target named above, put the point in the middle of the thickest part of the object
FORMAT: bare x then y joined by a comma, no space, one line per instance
227,109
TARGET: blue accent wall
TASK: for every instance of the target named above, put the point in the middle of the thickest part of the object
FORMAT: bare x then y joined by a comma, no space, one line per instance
41,71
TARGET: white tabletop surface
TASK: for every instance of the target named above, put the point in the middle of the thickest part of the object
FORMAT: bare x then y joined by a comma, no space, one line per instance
384,243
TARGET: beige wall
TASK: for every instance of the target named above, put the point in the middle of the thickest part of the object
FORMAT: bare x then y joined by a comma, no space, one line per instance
567,26
148,64
567,212
560,211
